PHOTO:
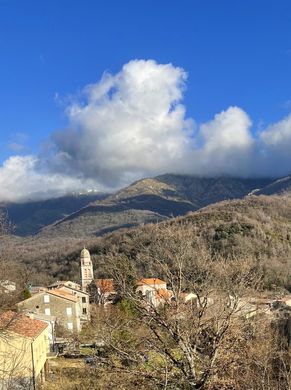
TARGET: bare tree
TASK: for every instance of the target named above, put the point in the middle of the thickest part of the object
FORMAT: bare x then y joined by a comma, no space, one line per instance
180,341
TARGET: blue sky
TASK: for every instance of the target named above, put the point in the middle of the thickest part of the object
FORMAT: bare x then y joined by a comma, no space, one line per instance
236,53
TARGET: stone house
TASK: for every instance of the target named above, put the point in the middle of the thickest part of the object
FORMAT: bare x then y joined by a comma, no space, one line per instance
83,298
23,351
60,304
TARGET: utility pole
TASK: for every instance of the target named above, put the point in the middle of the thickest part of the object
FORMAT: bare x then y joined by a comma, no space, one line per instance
33,368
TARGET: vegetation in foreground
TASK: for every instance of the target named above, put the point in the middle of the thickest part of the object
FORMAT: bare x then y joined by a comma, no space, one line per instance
210,344
222,253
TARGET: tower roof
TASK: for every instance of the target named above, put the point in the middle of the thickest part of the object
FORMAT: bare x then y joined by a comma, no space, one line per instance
85,254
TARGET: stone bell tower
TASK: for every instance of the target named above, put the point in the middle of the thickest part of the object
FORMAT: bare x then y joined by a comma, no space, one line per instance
86,269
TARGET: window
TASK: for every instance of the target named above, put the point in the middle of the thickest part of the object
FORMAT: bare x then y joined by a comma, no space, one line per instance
83,299
70,325
84,310
46,298
47,311
69,311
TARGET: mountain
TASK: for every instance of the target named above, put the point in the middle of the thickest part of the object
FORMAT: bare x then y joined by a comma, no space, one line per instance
255,229
144,201
205,191
278,187
30,217
150,200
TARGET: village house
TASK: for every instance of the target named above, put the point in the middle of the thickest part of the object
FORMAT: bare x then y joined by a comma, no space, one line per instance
66,301
105,290
60,304
83,298
51,322
154,290
23,351
77,290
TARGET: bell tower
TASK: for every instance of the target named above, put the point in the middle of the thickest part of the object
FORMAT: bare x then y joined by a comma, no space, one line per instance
86,269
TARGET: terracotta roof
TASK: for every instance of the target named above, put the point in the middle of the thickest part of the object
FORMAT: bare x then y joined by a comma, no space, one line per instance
21,324
164,293
150,281
105,285
63,294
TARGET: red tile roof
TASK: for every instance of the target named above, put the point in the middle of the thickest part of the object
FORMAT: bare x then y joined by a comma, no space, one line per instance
21,324
164,293
105,285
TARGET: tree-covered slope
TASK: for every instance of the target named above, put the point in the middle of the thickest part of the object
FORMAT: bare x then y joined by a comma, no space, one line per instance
256,229
150,200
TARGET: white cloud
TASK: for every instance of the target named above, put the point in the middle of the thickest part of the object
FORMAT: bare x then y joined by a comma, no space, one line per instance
227,138
130,124
275,147
21,178
278,135
133,124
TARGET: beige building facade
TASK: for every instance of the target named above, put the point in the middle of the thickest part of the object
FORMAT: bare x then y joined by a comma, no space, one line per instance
23,351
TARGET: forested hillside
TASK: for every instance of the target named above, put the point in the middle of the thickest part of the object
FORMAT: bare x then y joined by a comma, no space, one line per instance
255,228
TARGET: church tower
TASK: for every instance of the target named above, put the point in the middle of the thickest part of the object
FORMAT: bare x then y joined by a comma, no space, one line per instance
86,269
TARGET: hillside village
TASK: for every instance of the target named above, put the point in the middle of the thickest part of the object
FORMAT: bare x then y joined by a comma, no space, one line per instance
42,328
